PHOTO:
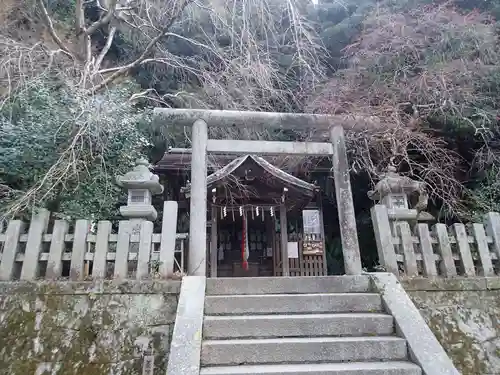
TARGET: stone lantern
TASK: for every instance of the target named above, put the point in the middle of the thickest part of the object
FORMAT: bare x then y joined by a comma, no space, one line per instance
141,185
394,191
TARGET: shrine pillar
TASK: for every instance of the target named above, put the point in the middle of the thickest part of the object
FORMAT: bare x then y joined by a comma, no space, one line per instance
213,244
284,241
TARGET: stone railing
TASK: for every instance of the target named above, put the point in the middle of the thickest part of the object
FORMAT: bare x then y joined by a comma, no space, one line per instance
438,250
83,250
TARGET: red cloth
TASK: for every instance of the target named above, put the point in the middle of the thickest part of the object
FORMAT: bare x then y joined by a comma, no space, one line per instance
244,243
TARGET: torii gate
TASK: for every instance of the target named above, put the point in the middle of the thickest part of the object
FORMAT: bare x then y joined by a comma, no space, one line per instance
201,145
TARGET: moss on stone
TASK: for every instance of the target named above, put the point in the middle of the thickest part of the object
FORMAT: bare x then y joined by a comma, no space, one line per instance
464,322
459,346
82,333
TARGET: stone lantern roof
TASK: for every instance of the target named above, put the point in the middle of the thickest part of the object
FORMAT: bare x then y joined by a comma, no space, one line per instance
394,190
140,178
393,183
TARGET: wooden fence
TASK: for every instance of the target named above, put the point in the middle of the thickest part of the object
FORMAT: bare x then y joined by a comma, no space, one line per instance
458,250
304,265
82,250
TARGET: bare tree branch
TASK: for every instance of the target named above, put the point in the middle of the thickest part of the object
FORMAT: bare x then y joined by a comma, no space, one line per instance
105,50
103,20
126,68
80,17
48,22
224,57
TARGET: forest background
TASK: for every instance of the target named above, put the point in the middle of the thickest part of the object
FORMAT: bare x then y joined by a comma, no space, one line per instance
79,79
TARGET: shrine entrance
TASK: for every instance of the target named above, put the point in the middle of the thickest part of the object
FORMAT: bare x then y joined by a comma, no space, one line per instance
200,183
257,222
230,238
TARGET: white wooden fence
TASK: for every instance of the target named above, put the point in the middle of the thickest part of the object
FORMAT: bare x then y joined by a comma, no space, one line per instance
83,250
458,250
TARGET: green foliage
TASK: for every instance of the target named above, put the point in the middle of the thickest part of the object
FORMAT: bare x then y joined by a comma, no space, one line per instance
63,148
338,24
63,9
484,196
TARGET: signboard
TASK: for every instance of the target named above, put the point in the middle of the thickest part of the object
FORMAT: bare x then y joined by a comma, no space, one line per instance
312,224
313,243
293,250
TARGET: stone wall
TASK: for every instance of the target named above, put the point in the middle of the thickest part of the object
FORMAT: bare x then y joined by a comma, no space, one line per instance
464,314
88,328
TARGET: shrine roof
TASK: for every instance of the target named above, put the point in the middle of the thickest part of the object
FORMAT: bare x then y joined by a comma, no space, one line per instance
181,162
267,174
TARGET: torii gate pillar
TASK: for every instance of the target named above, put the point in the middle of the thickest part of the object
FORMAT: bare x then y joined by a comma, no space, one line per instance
345,203
198,205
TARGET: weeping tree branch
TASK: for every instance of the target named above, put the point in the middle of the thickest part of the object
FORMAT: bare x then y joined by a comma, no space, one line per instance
242,73
403,69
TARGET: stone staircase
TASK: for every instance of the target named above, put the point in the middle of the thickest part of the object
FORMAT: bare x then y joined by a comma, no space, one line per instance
299,326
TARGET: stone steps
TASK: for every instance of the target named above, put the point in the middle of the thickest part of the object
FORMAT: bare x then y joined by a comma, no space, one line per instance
302,350
303,325
288,285
352,368
299,326
292,303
